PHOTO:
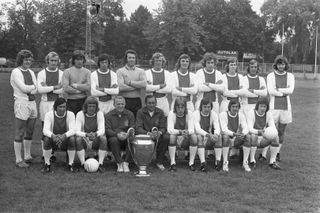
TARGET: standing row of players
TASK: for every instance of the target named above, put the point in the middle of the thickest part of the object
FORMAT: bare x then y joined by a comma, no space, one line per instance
77,83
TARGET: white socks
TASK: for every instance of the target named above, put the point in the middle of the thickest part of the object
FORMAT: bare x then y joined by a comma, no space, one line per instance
27,148
172,154
101,154
273,153
264,151
47,155
253,150
201,154
71,154
218,152
246,152
225,153
81,156
17,151
193,152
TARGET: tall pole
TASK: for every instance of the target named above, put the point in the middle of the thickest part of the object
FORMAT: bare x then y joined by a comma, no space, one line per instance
88,31
316,56
282,39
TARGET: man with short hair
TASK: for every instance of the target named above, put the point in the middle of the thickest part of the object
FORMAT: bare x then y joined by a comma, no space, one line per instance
118,122
234,133
76,82
58,134
49,86
90,129
104,84
148,118
131,80
23,82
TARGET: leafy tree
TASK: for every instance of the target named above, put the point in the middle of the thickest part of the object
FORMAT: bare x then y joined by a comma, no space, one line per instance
138,21
174,30
299,19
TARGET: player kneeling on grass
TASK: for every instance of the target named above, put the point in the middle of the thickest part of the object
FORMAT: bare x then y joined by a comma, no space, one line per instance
58,133
258,119
90,131
207,129
234,134
180,127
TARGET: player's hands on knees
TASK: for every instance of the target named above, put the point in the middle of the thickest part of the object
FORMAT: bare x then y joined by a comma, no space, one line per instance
214,137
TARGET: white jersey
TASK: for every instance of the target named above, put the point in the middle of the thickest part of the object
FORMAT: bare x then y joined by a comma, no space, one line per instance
258,84
253,126
172,117
283,90
49,124
214,123
151,87
225,125
44,88
20,88
80,124
106,90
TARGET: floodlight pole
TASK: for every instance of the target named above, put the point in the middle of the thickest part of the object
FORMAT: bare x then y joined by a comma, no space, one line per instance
88,31
316,56
282,39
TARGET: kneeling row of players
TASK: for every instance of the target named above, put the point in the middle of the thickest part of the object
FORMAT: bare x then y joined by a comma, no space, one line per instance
200,130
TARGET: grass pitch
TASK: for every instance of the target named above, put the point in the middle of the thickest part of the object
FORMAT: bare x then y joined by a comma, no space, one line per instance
295,188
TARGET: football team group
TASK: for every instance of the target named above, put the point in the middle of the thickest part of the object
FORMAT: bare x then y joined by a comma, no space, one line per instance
210,113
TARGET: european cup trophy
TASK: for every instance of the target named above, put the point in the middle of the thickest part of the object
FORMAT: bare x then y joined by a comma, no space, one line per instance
142,149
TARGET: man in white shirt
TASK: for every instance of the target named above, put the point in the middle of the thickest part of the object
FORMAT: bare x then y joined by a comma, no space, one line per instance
24,84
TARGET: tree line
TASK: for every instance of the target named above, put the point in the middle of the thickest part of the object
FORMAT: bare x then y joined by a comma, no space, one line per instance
177,26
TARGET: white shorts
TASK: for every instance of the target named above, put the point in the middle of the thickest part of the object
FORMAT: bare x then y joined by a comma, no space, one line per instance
45,106
163,104
24,110
106,107
246,108
281,116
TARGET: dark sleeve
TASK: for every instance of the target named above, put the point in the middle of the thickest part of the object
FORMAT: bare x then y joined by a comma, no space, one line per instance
108,125
139,123
162,123
131,120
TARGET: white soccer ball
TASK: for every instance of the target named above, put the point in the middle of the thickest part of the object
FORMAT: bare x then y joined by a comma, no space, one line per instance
270,133
91,165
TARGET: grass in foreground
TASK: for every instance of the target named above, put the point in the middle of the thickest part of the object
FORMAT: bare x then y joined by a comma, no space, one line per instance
295,188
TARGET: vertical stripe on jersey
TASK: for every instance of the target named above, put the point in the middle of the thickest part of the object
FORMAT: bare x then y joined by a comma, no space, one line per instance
254,83
105,82
158,78
210,78
260,121
233,84
181,123
28,81
205,123
184,81
281,82
90,123
52,79
59,124
233,123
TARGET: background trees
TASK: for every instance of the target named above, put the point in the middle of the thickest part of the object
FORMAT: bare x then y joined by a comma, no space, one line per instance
184,26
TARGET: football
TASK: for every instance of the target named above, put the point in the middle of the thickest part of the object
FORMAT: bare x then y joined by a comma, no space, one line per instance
270,133
91,165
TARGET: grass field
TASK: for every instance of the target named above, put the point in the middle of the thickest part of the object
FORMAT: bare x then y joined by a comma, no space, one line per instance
295,188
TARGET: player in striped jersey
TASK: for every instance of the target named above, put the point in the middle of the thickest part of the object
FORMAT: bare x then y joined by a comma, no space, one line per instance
209,82
254,87
234,133
104,84
207,132
258,119
184,82
233,84
90,129
49,86
158,82
180,128
280,85
58,133
24,84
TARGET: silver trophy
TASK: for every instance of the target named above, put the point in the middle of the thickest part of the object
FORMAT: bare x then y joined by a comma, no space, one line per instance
142,149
